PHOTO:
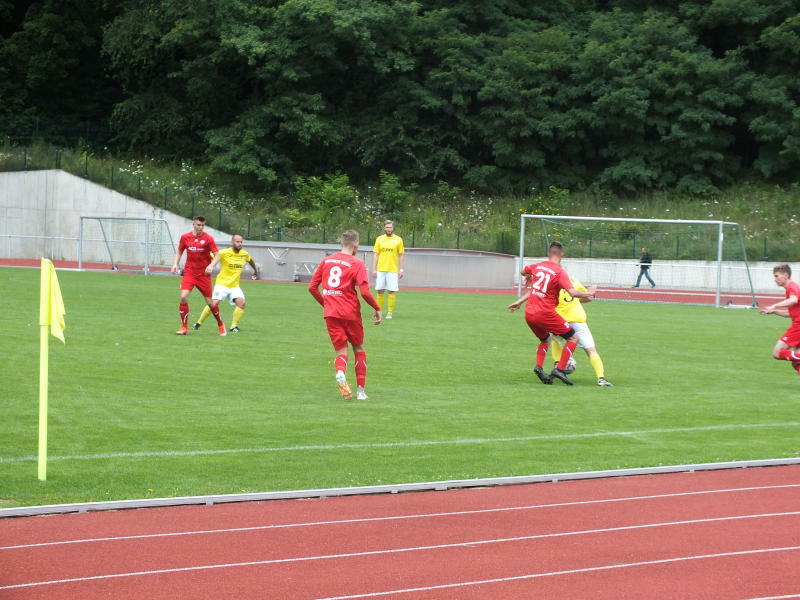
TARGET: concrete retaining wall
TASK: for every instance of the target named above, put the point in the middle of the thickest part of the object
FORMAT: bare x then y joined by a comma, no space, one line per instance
40,216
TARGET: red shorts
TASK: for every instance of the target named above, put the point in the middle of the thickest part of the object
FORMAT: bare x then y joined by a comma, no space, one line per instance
792,336
342,331
543,323
201,282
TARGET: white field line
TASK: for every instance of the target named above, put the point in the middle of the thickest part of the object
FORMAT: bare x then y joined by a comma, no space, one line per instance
775,597
399,517
471,543
410,444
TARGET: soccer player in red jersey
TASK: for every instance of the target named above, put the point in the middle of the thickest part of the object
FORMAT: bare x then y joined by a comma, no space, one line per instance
200,249
786,348
547,279
340,274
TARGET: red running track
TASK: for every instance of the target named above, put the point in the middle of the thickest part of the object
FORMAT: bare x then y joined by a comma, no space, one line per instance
729,534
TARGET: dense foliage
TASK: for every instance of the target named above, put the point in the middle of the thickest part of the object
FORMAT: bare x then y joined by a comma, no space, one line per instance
500,95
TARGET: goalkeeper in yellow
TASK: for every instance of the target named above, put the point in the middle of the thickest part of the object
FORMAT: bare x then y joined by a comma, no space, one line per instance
231,260
387,265
571,309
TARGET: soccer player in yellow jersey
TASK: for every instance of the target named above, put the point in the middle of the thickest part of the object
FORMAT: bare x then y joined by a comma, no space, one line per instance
571,309
387,265
232,261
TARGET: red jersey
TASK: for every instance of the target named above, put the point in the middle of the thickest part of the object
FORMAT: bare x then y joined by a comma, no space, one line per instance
793,289
547,280
199,250
340,274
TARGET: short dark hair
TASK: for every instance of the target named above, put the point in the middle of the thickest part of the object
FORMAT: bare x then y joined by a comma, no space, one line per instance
782,269
555,248
200,218
349,237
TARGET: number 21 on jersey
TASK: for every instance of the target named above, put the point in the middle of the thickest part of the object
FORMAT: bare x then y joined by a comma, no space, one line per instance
542,281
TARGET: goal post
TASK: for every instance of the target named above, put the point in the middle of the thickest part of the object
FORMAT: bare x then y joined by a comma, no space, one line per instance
692,259
137,244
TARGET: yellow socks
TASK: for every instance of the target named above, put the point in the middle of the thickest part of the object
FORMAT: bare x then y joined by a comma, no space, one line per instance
392,300
238,313
204,314
597,365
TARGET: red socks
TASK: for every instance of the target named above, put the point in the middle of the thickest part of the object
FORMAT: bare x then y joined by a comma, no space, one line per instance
340,363
541,353
183,311
361,369
215,312
569,348
787,354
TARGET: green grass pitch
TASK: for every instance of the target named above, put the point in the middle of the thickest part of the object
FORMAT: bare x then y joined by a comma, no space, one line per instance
136,411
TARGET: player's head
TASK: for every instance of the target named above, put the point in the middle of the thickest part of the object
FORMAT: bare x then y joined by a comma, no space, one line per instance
388,226
349,241
644,250
198,224
556,250
781,274
237,242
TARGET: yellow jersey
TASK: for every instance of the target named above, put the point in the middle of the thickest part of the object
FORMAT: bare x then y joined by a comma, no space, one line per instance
230,267
569,308
388,250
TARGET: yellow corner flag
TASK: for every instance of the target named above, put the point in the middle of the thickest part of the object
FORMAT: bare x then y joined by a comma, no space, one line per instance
51,316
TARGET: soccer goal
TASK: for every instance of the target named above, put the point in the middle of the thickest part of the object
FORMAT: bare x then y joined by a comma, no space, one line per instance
698,262
137,244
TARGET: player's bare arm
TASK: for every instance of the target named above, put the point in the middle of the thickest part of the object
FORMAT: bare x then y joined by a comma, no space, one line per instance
590,292
214,263
783,304
401,263
374,269
252,263
520,301
175,261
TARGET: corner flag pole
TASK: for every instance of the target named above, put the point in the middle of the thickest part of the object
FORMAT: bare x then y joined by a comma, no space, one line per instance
51,315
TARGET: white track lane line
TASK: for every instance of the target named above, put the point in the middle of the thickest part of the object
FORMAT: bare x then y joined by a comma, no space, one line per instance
775,597
411,444
471,543
568,572
399,517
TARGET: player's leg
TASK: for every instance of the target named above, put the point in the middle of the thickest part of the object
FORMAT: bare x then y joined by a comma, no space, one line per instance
541,348
355,335
183,308
392,287
556,325
220,293
639,278
782,351
338,334
361,372
650,279
205,289
238,313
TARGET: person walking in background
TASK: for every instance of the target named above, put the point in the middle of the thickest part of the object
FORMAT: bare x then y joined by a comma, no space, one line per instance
786,348
200,248
340,274
644,268
232,261
387,266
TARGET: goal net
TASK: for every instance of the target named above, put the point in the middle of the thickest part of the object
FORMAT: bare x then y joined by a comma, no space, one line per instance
698,262
137,244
